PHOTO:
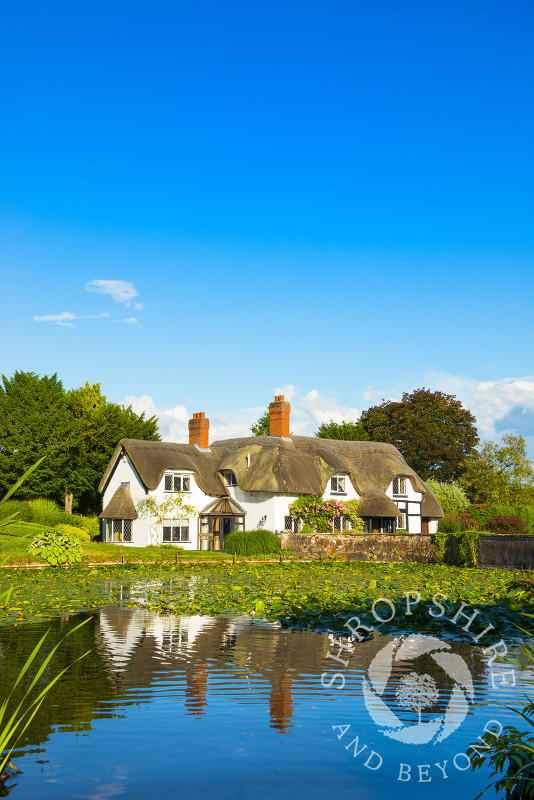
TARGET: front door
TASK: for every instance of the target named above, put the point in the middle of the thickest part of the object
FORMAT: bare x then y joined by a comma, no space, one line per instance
376,524
226,525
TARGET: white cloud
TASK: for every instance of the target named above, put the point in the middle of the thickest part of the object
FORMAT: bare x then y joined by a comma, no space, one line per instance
65,318
135,306
490,401
307,413
119,291
128,321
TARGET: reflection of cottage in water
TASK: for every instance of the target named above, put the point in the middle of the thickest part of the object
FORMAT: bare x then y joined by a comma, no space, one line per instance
138,645
227,657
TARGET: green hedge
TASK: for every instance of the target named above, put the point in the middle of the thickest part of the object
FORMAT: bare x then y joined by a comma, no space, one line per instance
45,512
252,543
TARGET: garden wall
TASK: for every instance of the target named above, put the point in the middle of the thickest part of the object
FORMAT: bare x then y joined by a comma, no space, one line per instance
382,546
514,552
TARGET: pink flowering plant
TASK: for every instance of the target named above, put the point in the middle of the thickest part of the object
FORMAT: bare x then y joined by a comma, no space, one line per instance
319,514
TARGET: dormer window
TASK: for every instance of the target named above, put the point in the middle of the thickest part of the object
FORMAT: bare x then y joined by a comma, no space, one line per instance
337,484
399,486
174,482
228,477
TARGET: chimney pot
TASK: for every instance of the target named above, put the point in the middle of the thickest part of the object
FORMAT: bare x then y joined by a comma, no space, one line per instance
199,430
279,417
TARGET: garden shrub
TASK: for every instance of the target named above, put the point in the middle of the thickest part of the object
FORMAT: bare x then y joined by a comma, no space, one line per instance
46,512
307,528
56,548
357,524
450,496
89,524
454,523
513,525
18,507
79,533
479,514
252,543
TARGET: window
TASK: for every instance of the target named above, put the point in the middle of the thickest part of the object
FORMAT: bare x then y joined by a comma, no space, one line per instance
119,530
291,524
175,531
341,524
388,524
228,477
401,521
177,483
337,484
399,486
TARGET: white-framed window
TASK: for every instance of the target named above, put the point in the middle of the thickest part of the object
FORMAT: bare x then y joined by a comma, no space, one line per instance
401,521
399,486
337,484
175,531
175,482
228,477
119,530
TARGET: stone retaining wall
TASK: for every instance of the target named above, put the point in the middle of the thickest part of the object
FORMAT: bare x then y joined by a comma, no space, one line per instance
381,546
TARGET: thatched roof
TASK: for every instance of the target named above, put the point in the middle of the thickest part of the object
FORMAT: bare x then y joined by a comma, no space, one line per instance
299,465
376,504
152,459
121,506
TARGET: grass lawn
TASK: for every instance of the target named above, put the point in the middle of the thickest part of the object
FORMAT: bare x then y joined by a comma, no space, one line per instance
15,549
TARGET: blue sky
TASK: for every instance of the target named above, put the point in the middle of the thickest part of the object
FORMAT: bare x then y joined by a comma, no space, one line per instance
204,203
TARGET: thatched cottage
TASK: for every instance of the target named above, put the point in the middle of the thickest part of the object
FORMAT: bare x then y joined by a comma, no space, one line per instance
248,483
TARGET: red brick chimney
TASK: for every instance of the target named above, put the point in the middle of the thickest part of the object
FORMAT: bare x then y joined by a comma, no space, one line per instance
279,417
199,430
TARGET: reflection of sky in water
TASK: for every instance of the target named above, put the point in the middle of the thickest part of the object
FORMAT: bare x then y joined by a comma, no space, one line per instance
225,708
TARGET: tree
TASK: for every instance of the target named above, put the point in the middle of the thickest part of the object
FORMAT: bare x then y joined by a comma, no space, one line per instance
76,430
34,421
450,496
349,431
432,430
417,692
262,426
102,425
172,507
500,474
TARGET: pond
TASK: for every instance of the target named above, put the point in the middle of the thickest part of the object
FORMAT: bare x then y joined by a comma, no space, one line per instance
231,707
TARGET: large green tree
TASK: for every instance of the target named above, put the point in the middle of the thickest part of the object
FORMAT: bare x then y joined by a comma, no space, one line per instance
76,431
349,431
433,431
500,474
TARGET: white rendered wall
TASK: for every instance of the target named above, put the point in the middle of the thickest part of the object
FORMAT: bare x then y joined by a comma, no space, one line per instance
350,492
195,497
263,509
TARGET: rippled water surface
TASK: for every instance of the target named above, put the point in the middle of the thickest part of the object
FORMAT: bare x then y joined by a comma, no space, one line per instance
218,707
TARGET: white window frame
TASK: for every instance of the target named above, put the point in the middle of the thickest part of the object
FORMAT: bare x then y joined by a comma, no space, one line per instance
178,527
179,483
338,484
117,529
400,486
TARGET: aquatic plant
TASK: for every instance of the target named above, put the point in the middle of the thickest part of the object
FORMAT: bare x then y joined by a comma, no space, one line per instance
16,716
